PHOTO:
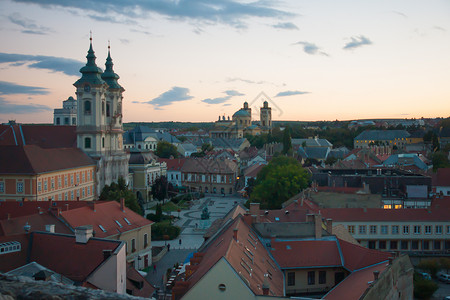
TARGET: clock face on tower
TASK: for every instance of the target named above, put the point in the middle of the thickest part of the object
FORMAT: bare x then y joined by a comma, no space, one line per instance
87,88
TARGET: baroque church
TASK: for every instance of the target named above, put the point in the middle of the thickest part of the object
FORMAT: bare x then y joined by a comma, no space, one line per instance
241,123
99,119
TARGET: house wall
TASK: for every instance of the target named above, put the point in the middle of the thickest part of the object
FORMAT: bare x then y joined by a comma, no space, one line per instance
59,185
206,183
301,280
144,177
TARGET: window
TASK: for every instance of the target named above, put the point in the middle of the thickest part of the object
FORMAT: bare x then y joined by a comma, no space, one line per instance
88,190
65,196
66,121
74,121
59,197
83,177
83,192
78,194
394,229
58,121
108,113
351,229
384,229
406,229
414,245
372,245
362,229
20,187
71,195
71,179
59,181
53,183
87,143
2,187
373,229
78,178
322,277
394,245
39,186
437,245
145,240
45,184
426,245
89,175
404,245
417,229
382,245
291,278
311,277
438,229
65,180
427,229
103,142
133,245
87,107
118,223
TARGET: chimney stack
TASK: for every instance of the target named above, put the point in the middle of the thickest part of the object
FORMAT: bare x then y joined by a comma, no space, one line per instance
50,228
254,211
235,234
83,234
375,275
318,226
122,204
329,226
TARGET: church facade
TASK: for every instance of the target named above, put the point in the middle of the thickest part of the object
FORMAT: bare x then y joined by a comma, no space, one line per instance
99,119
241,123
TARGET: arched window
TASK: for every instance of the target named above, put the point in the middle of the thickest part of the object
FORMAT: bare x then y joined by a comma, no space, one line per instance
87,107
108,109
103,142
87,143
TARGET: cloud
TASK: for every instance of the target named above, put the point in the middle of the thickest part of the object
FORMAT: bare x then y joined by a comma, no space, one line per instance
400,14
310,48
67,66
357,41
9,88
286,25
439,28
290,93
176,94
219,100
229,12
12,108
29,26
227,104
246,80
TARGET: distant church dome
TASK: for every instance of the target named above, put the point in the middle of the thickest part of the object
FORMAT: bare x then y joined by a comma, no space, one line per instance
241,113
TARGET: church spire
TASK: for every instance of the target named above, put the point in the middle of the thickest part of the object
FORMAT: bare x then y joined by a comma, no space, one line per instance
109,76
90,72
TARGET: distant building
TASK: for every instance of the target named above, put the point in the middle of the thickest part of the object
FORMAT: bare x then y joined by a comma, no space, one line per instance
174,166
66,115
391,138
143,138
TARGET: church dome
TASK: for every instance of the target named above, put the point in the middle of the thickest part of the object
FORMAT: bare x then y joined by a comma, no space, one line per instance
241,113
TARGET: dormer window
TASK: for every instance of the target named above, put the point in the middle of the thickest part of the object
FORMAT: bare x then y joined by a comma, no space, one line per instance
126,220
102,228
118,223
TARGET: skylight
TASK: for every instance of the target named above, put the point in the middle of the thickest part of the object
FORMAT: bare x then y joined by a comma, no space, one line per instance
118,223
126,220
277,219
102,228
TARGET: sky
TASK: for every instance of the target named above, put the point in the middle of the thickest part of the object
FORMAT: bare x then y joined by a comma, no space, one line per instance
195,60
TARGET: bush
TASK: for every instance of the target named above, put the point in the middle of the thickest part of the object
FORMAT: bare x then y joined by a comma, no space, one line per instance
159,230
423,289
430,265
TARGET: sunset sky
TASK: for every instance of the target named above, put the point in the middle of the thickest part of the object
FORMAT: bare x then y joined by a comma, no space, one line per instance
193,60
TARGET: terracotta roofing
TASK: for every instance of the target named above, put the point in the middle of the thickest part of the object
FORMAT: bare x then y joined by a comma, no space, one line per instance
25,208
63,255
253,170
214,166
239,254
174,164
356,257
36,221
137,284
45,136
32,159
107,215
442,177
13,260
354,285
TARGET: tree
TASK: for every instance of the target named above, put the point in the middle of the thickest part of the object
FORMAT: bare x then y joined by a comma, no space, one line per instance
423,289
119,190
166,150
161,188
440,160
330,160
287,144
281,179
431,265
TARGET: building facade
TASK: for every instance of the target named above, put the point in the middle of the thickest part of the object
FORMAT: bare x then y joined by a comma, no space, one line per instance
66,115
99,116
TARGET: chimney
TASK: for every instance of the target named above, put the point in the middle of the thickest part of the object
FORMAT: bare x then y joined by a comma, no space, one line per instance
83,234
266,285
375,275
310,218
122,204
317,226
50,228
254,211
235,233
106,254
27,227
329,225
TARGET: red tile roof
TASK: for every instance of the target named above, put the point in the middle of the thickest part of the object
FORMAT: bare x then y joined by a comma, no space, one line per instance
37,222
137,284
26,208
45,136
32,159
174,164
63,255
253,170
442,177
356,257
340,189
105,214
303,254
354,285
13,260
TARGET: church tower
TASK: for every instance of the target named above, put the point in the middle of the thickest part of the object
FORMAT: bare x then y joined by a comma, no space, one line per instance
99,128
266,117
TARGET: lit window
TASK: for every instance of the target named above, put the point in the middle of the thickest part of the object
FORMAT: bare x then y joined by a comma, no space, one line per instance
20,187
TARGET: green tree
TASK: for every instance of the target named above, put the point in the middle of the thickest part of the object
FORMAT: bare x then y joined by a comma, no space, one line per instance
119,190
281,179
287,143
440,160
166,150
160,188
330,160
431,265
423,289
182,138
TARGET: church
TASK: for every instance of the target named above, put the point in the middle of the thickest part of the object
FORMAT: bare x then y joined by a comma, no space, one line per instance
241,123
99,119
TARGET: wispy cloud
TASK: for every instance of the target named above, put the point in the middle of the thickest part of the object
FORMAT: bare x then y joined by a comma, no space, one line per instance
219,100
175,94
356,42
439,28
29,26
13,108
400,14
246,80
9,88
286,25
290,93
229,12
67,66
311,48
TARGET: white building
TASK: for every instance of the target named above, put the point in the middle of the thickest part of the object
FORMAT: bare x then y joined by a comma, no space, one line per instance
66,115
